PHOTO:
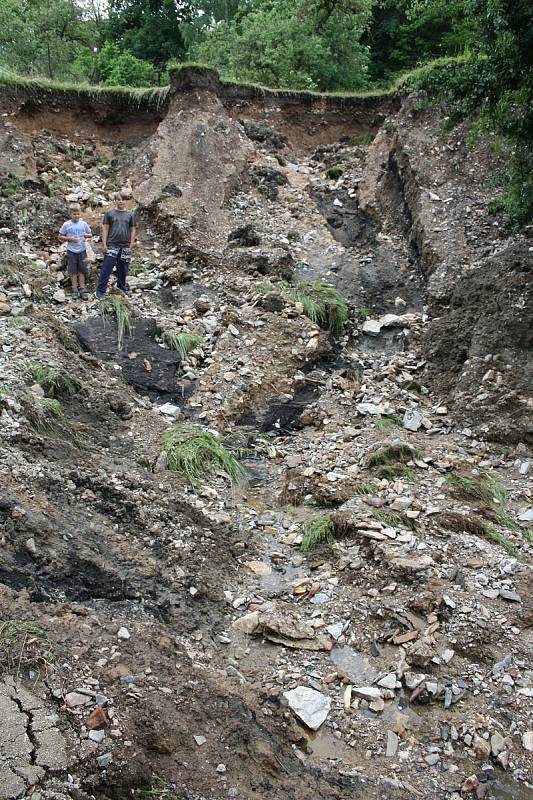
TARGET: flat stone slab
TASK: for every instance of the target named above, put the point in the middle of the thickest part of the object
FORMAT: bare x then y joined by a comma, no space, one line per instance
311,707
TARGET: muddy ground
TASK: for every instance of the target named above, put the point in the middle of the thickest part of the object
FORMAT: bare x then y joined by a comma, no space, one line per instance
155,629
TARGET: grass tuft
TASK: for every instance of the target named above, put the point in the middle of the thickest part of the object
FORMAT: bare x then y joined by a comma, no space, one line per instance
183,342
363,489
388,421
24,645
319,530
500,539
396,453
393,519
116,306
321,302
197,453
391,473
43,412
484,488
55,382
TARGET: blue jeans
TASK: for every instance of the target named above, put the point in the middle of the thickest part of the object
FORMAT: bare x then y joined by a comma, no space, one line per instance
108,265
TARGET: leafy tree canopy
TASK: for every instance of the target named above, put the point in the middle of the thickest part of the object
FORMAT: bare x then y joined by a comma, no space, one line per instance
302,44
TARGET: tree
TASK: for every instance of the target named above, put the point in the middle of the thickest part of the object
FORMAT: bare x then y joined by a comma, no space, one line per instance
150,29
494,84
121,68
301,44
41,37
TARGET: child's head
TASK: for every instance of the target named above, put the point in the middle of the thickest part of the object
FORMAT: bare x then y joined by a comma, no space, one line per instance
75,212
120,200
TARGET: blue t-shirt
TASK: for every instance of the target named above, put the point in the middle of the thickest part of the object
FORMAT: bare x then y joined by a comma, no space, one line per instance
71,228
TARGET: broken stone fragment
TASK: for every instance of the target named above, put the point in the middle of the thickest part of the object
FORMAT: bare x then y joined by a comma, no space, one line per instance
371,327
367,692
247,624
412,420
311,707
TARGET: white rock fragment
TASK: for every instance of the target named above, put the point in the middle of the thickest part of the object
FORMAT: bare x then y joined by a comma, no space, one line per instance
367,692
371,327
123,633
247,624
310,706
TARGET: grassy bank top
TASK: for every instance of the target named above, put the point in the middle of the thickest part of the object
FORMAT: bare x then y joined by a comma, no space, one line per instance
189,75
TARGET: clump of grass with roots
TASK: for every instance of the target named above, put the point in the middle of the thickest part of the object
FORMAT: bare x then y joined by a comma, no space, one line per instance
115,306
24,645
197,453
55,382
319,530
184,342
321,302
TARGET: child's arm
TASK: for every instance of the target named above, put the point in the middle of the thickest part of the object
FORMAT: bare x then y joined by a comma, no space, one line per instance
64,237
87,234
105,231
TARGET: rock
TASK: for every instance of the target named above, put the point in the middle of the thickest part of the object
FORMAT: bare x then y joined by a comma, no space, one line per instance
412,420
390,321
96,718
372,409
526,516
392,744
59,296
221,768
31,546
513,597
497,743
481,746
199,739
245,236
104,760
367,692
388,681
258,567
432,759
527,741
247,624
371,327
311,707
123,633
169,409
97,736
400,304
75,699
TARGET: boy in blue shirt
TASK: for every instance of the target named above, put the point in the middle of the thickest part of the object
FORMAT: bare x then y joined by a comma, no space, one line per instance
74,232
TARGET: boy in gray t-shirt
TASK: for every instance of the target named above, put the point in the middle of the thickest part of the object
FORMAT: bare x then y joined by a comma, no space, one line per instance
118,237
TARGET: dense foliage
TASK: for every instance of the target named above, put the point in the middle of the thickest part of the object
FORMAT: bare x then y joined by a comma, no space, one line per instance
327,45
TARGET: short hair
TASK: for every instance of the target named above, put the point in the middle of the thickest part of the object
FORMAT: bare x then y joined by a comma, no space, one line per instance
120,196
74,207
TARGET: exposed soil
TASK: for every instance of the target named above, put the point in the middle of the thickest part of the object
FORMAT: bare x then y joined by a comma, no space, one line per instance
154,627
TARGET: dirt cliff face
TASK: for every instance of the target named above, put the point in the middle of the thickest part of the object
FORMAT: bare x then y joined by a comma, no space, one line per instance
350,619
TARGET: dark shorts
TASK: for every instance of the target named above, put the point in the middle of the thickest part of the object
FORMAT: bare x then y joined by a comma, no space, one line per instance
77,262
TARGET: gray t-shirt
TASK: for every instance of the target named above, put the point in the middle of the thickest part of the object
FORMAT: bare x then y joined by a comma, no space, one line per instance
119,223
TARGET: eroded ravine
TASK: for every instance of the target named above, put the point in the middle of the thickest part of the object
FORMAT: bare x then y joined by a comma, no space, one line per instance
101,537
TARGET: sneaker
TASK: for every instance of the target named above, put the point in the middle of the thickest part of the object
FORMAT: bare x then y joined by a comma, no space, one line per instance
75,294
83,294
99,295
